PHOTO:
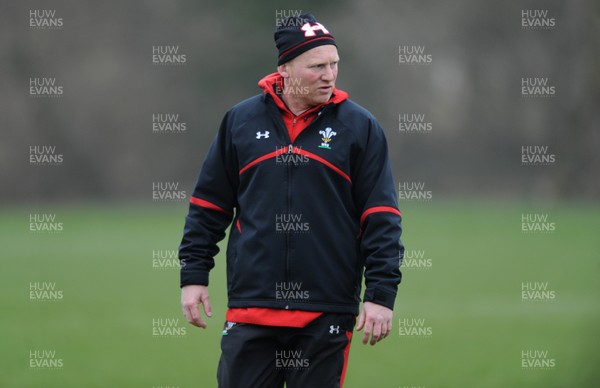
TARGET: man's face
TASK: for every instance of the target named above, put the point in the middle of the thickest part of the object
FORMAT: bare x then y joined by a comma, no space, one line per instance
310,77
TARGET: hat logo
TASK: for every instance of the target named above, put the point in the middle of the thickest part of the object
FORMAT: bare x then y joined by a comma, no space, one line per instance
310,30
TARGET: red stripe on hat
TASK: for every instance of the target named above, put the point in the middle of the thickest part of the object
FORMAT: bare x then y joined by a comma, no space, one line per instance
303,43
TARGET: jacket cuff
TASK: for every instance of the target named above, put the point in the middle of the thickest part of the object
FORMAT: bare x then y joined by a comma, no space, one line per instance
193,277
379,297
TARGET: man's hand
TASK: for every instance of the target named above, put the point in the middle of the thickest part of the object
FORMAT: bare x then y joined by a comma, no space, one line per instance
191,297
377,321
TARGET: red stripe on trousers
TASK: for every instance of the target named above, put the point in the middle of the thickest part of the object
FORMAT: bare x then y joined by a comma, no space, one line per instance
346,355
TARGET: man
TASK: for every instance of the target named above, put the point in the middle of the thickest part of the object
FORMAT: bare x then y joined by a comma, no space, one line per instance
303,173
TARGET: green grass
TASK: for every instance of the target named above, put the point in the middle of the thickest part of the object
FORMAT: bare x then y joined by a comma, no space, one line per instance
470,297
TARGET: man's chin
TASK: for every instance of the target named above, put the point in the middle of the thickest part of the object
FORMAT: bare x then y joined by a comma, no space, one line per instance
321,99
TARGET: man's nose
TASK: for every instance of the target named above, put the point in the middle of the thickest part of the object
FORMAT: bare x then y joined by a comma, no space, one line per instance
328,74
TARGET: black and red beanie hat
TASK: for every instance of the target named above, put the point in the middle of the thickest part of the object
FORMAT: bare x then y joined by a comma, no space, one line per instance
298,34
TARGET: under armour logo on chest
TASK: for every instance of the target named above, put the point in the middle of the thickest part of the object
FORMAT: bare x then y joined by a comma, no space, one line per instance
334,329
261,135
310,30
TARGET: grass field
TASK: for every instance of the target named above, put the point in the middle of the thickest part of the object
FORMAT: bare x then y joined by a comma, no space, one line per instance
115,325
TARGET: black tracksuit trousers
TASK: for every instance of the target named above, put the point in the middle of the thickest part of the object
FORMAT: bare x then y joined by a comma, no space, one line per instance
315,356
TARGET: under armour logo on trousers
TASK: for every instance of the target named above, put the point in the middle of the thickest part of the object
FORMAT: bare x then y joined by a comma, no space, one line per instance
334,329
260,135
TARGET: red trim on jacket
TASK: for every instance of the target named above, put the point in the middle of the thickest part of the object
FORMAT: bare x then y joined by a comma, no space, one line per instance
208,205
259,159
271,317
377,209
239,226
299,151
322,160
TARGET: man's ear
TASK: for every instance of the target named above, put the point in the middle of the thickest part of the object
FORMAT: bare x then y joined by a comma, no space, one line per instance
282,70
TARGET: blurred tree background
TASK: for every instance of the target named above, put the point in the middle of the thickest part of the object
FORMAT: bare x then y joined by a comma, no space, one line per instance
470,92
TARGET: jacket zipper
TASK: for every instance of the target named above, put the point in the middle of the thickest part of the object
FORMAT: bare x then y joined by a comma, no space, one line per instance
289,199
289,193
288,235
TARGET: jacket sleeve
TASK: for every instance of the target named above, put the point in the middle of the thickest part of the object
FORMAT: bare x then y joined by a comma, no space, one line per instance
210,211
380,220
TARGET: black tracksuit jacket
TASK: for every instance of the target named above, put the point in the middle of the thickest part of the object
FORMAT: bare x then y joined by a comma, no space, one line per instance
310,218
